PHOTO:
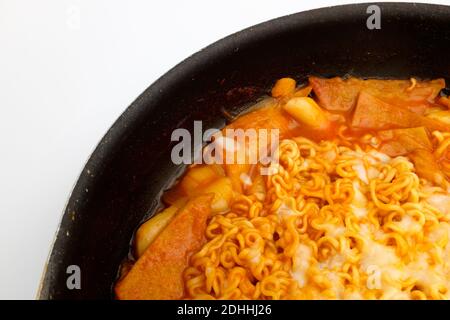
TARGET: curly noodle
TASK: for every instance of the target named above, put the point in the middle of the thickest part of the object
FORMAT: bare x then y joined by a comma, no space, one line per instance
339,221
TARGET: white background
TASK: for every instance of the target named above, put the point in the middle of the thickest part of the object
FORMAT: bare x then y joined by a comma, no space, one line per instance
67,70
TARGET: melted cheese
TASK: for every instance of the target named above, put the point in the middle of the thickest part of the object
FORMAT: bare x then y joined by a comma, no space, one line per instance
301,262
440,202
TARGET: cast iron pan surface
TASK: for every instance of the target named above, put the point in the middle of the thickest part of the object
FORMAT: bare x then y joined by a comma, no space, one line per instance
123,180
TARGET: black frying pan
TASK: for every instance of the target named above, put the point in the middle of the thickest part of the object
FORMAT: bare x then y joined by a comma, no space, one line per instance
123,179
